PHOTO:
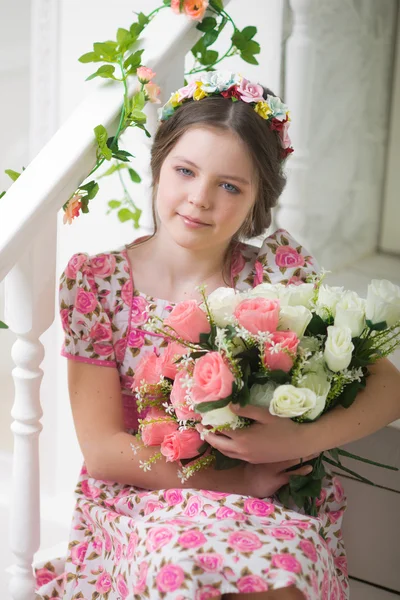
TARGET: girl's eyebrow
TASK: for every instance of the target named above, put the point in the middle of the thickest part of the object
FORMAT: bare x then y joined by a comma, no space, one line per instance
234,177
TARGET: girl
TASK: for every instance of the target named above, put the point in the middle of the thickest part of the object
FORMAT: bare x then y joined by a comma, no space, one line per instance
217,171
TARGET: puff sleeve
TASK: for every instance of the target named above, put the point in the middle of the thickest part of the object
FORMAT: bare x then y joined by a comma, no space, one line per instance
86,324
281,259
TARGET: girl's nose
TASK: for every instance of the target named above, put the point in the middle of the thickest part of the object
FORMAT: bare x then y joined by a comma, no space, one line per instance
200,197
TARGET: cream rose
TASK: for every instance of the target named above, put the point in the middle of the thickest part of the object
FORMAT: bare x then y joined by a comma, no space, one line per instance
265,290
290,401
295,295
222,303
261,394
319,384
328,297
350,312
338,348
294,318
383,302
220,417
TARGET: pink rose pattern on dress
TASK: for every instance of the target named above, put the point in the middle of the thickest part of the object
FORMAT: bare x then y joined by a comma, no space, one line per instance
181,543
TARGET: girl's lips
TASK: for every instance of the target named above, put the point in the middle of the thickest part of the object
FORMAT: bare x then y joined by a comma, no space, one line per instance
192,223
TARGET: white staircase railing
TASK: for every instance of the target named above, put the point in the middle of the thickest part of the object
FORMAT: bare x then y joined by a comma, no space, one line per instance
28,235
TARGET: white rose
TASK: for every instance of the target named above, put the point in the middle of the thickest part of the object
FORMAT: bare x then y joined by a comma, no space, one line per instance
218,80
350,312
297,295
221,417
222,303
328,297
294,318
261,394
290,401
319,384
338,348
383,302
265,290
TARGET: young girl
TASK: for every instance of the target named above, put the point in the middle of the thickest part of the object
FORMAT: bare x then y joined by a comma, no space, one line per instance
217,171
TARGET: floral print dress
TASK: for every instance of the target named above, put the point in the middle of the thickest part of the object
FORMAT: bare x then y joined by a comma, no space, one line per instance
128,543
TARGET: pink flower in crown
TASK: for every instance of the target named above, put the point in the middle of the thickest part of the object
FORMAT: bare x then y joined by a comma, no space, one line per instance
103,265
140,585
145,74
78,553
287,562
244,541
122,587
136,338
170,578
104,583
284,135
309,550
74,264
192,539
85,302
173,497
288,257
126,292
101,332
251,583
139,311
260,508
250,92
187,91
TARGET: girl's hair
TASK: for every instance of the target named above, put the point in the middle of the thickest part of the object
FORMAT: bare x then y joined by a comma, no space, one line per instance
264,145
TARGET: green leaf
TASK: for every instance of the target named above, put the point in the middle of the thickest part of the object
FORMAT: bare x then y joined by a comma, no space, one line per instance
279,376
107,51
138,115
209,57
366,460
238,40
209,38
101,137
217,5
3,325
139,100
334,452
135,176
141,126
249,32
249,58
125,215
90,57
13,174
2,194
316,326
123,35
347,470
198,48
223,462
207,24
133,61
114,203
349,394
305,486
377,326
202,407
106,71
143,19
253,47
112,169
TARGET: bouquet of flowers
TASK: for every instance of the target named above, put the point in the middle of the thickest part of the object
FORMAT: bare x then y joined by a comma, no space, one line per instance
298,349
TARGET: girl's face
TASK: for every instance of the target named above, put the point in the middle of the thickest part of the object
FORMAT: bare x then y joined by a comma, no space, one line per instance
207,177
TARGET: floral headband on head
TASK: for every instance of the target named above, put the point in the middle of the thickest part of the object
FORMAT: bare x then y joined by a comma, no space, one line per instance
235,87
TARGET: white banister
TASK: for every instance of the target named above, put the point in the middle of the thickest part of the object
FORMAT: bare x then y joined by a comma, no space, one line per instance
299,76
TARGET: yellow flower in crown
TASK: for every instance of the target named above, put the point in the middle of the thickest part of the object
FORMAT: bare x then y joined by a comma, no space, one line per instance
174,100
263,109
199,93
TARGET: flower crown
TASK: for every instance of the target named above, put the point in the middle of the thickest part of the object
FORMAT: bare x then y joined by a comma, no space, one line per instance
235,87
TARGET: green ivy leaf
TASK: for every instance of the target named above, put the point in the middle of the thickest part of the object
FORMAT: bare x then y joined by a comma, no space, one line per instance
143,19
253,47
114,203
101,137
133,61
106,71
134,176
249,58
125,215
123,35
349,394
107,51
13,174
112,169
202,407
141,126
139,100
198,48
209,57
138,115
249,32
2,194
217,5
90,57
209,38
207,24
3,325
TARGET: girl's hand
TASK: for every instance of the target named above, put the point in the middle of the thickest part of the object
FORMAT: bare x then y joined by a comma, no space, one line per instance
262,481
269,439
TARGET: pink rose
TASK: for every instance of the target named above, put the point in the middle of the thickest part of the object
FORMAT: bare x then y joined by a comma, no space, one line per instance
153,434
74,264
133,541
178,400
281,533
170,578
136,338
181,444
104,583
335,515
122,587
152,506
257,507
194,9
140,585
188,321
97,545
193,507
287,562
90,491
297,523
238,262
286,256
159,537
309,549
173,497
153,91
325,587
224,512
107,539
258,314
169,368
101,332
338,490
341,564
322,497
145,74
103,348
259,273
207,592
103,265
43,576
64,313
282,359
250,92
119,349
294,280
118,553
192,539
212,379
139,311
149,369
210,561
188,90
214,495
85,302
78,553
251,583
286,141
244,541
126,292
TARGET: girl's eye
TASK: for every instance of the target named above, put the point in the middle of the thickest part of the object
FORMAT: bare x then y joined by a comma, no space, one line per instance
185,172
231,188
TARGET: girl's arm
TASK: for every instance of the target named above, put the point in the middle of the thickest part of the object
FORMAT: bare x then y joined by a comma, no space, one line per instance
96,404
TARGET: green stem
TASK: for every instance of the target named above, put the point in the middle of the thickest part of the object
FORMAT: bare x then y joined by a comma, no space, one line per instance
192,71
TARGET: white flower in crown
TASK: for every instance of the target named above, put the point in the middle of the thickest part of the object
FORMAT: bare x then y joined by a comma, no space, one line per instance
279,109
219,81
